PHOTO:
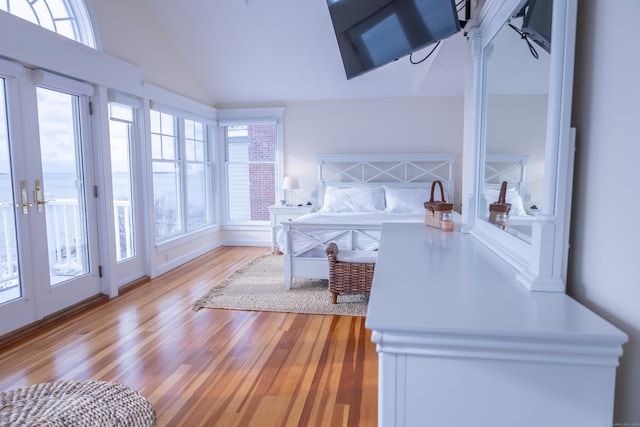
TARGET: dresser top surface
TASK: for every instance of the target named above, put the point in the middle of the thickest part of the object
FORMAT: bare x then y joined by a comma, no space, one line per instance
432,282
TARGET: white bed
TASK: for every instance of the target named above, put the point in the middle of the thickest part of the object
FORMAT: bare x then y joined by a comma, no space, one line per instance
356,195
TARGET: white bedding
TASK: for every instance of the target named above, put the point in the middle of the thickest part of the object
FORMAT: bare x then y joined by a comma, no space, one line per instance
350,230
377,217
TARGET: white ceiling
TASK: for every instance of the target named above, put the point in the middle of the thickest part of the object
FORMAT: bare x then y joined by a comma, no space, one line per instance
255,51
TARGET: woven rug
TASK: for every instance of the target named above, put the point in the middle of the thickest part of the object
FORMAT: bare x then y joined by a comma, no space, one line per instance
76,403
260,287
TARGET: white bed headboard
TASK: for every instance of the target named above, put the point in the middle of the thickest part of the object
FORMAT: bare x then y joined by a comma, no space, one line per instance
505,167
402,170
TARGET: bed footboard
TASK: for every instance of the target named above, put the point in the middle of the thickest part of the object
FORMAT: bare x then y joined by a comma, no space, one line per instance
305,244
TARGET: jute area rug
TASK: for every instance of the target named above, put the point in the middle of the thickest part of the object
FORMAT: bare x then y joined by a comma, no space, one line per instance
260,287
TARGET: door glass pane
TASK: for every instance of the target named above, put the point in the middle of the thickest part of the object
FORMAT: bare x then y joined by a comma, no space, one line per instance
120,134
63,185
10,287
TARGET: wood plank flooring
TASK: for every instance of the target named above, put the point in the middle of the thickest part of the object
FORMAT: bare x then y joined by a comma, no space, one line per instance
210,367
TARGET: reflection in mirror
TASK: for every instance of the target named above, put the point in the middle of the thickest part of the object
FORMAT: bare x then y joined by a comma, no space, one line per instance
517,86
522,107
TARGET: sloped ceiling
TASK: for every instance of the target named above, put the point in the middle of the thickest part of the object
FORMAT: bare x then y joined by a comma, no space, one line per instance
260,51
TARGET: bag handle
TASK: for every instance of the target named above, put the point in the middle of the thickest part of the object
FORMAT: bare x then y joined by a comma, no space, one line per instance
502,197
433,187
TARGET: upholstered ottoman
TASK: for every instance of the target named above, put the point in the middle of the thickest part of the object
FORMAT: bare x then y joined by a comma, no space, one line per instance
76,403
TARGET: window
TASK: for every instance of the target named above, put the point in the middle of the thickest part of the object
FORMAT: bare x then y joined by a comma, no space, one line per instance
69,18
181,164
121,134
251,170
198,174
166,174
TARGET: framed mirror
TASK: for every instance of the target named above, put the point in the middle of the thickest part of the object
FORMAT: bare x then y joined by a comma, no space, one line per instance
515,115
523,76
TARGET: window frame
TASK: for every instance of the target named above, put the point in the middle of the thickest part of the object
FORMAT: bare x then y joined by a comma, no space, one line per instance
250,116
132,134
179,117
78,17
206,163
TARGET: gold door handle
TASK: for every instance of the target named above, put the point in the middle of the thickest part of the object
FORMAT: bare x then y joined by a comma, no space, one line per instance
24,200
39,193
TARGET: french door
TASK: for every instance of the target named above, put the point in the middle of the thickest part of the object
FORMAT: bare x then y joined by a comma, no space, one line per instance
127,262
48,242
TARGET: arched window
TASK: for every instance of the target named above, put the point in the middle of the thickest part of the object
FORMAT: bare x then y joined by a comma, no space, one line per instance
69,18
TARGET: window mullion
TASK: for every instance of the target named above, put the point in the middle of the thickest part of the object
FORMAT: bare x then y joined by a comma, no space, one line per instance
182,163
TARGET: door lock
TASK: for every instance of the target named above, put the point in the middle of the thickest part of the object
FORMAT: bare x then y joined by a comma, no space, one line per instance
39,192
24,198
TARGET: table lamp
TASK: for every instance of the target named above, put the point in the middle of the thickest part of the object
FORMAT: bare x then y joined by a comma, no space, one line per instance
291,184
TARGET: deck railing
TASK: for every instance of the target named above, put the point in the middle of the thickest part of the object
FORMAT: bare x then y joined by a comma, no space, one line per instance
65,234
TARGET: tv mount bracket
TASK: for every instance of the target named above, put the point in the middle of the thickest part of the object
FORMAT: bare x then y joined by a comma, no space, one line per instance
467,13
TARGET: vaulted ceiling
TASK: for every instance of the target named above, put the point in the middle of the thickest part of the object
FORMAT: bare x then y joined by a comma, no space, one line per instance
253,51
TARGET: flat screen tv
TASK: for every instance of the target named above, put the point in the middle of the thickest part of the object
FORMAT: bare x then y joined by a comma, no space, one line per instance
536,23
372,33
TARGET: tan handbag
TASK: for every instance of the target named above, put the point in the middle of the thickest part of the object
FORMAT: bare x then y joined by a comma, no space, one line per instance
501,206
436,208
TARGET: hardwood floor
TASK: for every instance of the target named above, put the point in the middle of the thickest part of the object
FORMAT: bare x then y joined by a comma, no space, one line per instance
210,367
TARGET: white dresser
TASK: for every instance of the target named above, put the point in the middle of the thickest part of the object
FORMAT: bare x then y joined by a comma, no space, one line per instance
460,343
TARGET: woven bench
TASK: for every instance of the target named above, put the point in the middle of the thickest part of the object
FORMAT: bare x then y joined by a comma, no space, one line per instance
350,272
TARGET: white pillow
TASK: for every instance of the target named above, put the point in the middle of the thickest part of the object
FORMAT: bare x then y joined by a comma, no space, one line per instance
517,207
400,199
353,199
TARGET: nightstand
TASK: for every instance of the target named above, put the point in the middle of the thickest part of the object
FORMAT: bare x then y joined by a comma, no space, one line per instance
279,214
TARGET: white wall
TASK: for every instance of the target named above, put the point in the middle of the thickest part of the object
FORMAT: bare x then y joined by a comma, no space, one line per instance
129,31
604,260
398,125
517,124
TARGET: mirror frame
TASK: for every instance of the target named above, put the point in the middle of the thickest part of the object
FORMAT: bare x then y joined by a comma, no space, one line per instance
540,265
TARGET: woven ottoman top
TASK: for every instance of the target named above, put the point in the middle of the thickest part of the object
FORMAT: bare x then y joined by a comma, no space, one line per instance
76,403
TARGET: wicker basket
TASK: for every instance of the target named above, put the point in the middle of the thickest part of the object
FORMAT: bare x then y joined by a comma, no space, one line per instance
435,208
347,277
500,206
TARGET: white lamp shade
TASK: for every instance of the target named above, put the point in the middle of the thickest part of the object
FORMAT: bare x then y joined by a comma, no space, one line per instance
291,183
